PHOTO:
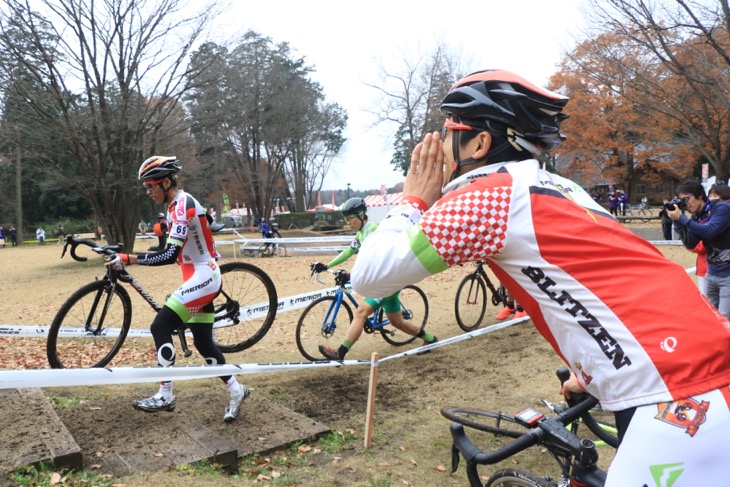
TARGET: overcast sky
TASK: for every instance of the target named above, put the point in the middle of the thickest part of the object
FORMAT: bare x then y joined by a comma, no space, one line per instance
344,41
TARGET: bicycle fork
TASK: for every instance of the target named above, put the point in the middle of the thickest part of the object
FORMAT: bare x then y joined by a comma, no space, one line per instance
328,323
108,290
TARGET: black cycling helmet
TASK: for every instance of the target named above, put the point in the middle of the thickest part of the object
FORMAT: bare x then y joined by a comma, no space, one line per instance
158,167
161,216
518,114
354,207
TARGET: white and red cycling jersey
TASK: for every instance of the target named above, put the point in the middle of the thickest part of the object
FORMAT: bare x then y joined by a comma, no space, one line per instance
629,322
189,229
190,240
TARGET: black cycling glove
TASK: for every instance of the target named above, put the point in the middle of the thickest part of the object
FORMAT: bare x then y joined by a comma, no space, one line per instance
342,278
318,267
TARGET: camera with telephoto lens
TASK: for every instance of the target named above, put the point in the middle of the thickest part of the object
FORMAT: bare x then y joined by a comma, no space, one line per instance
675,203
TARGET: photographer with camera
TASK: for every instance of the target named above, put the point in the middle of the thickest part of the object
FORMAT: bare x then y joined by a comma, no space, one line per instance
710,224
667,222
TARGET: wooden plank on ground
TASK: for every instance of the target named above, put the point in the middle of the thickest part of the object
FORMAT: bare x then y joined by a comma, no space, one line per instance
33,432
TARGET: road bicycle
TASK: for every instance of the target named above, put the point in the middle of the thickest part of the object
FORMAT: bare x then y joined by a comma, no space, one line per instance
91,326
576,456
470,304
323,322
641,211
272,249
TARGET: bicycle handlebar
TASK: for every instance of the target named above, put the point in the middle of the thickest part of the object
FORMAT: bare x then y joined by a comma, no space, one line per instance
99,249
551,427
337,273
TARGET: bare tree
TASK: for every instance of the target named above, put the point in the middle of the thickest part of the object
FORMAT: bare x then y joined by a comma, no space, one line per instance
679,69
115,71
410,98
263,122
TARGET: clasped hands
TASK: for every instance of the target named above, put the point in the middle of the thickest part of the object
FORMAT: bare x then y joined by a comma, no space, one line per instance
425,178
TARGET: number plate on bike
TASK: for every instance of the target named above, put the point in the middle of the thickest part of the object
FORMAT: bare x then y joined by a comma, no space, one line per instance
529,417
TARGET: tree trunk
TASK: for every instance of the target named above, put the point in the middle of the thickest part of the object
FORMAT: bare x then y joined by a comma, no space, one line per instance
19,193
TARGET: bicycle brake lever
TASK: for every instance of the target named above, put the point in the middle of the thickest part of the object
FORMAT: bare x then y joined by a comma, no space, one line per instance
455,457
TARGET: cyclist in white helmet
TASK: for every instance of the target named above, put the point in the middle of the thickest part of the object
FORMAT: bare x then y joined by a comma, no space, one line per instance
190,244
655,355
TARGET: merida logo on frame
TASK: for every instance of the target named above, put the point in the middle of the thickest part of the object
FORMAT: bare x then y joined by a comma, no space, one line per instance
665,475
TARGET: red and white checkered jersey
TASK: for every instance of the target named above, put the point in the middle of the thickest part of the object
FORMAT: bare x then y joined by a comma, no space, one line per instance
628,321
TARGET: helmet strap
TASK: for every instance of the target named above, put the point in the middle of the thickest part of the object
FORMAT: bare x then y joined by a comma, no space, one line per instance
469,161
166,190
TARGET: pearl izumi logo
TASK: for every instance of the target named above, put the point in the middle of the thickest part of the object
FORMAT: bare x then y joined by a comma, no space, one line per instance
669,344
666,475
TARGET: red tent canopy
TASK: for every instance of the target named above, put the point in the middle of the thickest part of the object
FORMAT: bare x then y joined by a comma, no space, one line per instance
383,200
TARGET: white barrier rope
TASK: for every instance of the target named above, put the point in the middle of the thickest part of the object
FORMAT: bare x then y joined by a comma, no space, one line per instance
258,310
17,379
455,339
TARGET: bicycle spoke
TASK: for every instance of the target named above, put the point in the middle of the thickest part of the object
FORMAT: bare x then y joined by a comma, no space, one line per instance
89,328
322,324
245,308
470,303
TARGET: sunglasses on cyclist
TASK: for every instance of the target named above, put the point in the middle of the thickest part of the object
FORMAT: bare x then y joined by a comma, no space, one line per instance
149,186
449,124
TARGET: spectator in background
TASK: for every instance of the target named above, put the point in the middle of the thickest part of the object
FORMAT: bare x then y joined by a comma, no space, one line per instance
613,203
716,192
709,223
60,232
622,201
160,231
666,221
40,235
719,192
13,234
2,237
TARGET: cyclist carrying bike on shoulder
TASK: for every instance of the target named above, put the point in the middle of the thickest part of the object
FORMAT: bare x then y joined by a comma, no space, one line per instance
355,212
190,244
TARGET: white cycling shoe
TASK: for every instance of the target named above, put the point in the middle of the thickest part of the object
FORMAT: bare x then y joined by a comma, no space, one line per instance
155,404
234,404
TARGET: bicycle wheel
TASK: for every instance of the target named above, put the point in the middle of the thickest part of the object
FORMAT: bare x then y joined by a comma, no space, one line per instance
497,423
322,323
414,306
470,304
515,477
90,327
281,250
645,215
263,251
245,308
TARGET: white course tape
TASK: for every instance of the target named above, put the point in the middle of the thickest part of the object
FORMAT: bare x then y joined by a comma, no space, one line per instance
42,331
257,310
16,379
343,238
457,338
